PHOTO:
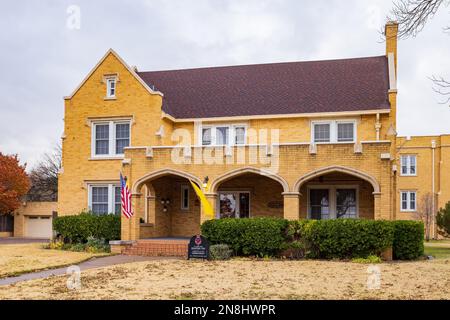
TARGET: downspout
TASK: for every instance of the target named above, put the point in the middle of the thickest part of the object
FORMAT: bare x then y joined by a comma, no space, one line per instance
433,191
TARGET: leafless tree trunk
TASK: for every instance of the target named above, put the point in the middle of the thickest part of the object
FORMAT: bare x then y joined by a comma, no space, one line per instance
425,213
44,177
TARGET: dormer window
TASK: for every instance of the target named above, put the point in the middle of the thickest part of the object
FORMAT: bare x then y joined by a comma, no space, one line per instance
111,87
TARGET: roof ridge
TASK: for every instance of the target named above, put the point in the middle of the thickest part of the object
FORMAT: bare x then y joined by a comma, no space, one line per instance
263,64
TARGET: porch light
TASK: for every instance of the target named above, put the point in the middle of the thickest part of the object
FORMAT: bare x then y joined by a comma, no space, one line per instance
205,182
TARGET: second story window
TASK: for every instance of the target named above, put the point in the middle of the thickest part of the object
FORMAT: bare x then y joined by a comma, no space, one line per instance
408,163
222,135
111,87
109,138
333,131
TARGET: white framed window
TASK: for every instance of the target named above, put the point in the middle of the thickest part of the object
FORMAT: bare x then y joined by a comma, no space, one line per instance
408,201
104,199
333,131
184,197
409,165
111,87
109,138
333,202
223,135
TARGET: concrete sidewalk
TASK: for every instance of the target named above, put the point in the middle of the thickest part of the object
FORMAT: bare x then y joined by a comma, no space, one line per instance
90,264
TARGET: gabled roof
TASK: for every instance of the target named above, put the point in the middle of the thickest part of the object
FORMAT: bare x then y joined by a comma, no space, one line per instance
348,85
111,51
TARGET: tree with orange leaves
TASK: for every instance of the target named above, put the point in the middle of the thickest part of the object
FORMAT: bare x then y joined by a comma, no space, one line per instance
14,183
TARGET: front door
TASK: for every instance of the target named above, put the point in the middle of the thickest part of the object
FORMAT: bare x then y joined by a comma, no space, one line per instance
234,205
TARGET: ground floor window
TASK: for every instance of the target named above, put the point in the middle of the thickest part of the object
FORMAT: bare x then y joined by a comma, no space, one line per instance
332,202
408,201
6,223
234,204
104,199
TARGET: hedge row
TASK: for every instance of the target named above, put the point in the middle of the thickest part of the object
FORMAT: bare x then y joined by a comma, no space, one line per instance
324,239
78,228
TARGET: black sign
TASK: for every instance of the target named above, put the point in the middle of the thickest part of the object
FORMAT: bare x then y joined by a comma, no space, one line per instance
198,248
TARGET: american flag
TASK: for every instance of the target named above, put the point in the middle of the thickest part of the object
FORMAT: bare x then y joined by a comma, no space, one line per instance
125,197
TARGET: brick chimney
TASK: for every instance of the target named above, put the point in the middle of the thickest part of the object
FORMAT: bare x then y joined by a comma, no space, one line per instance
391,33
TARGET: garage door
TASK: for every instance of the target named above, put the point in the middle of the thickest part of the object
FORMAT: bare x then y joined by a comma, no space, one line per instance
39,227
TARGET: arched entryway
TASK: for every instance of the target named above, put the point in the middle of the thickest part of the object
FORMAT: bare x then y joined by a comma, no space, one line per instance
167,205
337,192
249,192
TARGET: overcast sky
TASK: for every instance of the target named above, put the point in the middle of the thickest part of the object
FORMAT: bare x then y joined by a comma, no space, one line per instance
42,60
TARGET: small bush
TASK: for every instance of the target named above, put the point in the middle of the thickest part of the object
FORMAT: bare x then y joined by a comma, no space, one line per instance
347,238
443,221
408,240
256,236
78,228
77,247
368,260
220,252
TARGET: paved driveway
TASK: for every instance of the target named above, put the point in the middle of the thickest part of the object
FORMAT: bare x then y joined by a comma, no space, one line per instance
22,240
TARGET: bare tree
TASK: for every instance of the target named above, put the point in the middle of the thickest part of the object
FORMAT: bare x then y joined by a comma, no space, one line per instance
442,87
412,15
44,177
426,214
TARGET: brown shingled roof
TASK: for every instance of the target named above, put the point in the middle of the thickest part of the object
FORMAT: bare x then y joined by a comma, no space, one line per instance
279,88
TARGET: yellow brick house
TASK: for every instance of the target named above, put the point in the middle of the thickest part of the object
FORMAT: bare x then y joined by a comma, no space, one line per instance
300,140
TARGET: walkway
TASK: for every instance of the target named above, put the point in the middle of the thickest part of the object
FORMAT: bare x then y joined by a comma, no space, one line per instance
90,264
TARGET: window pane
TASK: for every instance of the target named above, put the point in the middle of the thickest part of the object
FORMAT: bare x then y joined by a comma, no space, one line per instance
222,135
404,201
412,201
240,135
244,205
319,204
102,139
227,205
122,137
322,132
206,136
346,203
345,132
100,200
412,165
404,165
117,201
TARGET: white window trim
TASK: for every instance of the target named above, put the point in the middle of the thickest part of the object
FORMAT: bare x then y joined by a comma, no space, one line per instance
108,87
111,194
334,130
231,134
332,198
236,193
112,139
408,201
185,187
408,165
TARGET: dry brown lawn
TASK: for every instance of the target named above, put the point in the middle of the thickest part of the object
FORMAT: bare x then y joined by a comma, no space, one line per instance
21,258
245,279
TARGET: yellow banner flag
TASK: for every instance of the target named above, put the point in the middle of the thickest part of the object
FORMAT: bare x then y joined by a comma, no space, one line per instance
209,211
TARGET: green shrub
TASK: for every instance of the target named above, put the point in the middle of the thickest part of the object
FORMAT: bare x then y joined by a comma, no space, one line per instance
77,247
78,228
368,260
220,252
408,240
443,220
94,245
346,238
256,236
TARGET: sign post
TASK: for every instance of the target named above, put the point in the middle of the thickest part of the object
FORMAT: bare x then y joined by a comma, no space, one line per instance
198,248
